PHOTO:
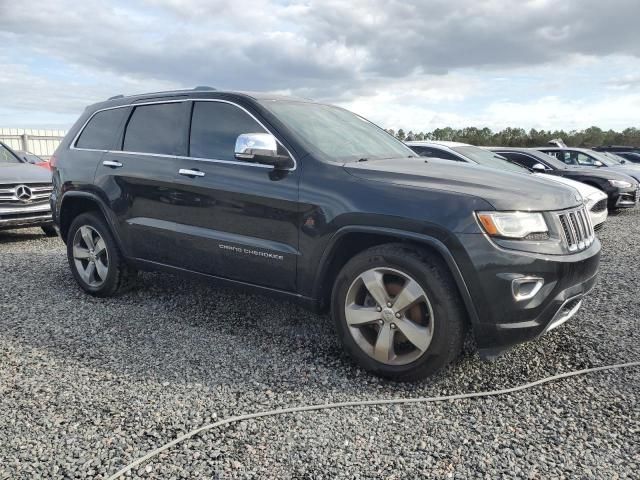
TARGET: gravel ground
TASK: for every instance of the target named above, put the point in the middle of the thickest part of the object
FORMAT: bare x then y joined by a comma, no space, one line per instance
88,385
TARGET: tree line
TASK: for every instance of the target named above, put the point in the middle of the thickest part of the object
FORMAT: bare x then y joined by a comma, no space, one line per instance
519,137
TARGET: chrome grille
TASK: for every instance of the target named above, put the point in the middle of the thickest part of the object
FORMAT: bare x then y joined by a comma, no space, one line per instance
600,206
39,192
576,228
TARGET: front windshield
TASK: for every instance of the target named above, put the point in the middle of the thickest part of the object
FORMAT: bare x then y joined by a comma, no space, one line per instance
608,161
337,134
6,156
488,158
616,158
31,158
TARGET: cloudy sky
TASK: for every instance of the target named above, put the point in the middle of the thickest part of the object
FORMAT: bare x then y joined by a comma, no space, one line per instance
412,64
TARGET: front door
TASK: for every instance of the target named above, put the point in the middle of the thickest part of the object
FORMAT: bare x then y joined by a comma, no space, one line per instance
238,220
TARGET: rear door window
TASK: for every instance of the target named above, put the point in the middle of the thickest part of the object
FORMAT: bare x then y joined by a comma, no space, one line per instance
215,126
158,128
102,130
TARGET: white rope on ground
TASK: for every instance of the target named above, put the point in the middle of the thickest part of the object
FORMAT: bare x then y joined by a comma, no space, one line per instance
359,403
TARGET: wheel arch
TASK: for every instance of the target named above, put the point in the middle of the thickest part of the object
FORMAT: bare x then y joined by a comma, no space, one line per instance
350,241
77,203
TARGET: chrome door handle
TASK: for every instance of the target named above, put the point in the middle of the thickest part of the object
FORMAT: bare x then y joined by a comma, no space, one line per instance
190,173
112,164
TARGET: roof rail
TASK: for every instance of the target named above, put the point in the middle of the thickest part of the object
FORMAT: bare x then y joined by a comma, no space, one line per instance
116,96
203,87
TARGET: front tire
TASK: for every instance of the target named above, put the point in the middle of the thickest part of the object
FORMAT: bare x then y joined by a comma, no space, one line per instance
398,312
94,257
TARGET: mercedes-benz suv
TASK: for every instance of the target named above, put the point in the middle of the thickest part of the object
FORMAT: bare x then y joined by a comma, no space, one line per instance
24,194
316,204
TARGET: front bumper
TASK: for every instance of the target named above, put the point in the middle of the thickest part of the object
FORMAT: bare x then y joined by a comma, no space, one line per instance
625,198
597,207
504,320
25,216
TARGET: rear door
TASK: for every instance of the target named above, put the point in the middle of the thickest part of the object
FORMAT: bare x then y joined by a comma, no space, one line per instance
237,220
138,179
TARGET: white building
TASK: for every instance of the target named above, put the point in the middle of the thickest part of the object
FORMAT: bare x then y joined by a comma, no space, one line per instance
41,142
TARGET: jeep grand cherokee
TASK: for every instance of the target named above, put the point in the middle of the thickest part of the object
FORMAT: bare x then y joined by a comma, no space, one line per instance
315,203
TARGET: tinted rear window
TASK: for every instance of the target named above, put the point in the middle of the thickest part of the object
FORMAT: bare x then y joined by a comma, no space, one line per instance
102,130
157,128
215,127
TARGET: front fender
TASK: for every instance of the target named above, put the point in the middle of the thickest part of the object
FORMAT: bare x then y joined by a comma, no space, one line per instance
416,238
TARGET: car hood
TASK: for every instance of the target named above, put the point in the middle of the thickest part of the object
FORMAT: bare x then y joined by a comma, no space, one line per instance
585,190
610,173
504,190
23,173
632,171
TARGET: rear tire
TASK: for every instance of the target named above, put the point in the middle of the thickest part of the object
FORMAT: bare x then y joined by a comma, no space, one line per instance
49,231
421,320
94,257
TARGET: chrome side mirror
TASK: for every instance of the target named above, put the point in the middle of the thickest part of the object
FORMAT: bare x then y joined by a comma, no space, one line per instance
597,163
261,148
538,167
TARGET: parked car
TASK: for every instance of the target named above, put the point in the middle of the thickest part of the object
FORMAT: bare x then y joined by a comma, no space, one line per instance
621,189
595,200
33,159
584,157
24,194
617,148
633,157
314,203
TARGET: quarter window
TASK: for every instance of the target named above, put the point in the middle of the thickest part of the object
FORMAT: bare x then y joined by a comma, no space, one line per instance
102,130
158,128
215,126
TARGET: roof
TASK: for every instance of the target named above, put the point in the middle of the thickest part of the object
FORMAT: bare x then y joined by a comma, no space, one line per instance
441,143
201,90
516,149
588,150
198,92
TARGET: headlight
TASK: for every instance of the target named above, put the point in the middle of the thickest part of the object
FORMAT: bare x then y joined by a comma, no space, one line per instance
512,224
619,183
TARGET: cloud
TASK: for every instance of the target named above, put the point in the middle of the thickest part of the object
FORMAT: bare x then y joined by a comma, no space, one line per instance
270,45
413,56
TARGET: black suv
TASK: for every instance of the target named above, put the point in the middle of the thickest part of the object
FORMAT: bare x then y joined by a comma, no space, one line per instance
621,189
316,204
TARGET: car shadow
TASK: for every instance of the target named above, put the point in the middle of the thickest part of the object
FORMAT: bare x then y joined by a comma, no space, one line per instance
15,236
181,332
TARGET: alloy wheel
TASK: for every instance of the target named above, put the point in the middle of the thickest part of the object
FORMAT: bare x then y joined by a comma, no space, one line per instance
389,316
90,256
